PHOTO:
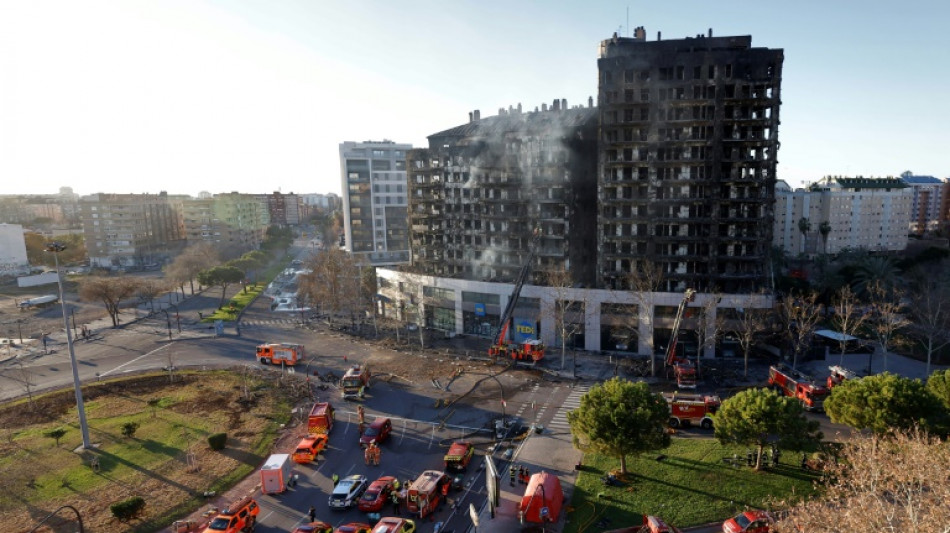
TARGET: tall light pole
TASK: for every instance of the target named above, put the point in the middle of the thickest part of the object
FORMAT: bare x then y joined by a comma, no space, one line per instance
55,248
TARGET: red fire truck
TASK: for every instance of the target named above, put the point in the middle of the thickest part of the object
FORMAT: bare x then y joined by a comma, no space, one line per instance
530,350
680,367
838,375
795,384
689,409
425,492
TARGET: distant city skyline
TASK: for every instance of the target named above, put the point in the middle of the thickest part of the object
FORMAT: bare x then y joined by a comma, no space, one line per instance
249,96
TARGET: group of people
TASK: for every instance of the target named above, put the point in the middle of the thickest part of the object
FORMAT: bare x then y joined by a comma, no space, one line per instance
519,472
372,454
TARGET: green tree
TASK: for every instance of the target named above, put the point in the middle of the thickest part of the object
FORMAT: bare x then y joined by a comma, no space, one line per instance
619,418
756,417
221,276
129,429
884,403
55,434
824,228
804,226
939,385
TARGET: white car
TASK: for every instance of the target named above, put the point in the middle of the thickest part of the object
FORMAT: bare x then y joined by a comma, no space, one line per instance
347,492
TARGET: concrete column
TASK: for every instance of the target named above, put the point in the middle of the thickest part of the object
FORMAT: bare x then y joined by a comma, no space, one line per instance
592,325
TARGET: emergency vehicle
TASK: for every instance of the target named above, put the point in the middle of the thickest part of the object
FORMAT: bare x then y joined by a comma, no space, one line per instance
530,350
677,366
239,517
838,375
309,448
391,524
314,527
377,495
321,418
282,353
689,409
460,453
354,383
795,384
425,492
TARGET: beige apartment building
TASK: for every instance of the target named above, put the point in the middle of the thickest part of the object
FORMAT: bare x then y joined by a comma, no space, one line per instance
129,229
230,219
841,212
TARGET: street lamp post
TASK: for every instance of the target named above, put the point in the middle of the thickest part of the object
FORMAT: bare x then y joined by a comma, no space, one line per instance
55,248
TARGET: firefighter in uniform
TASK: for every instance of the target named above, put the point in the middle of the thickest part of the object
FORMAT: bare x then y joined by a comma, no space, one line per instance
394,496
376,454
368,454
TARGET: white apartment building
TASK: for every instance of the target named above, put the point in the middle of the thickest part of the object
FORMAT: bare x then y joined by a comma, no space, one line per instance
12,249
375,200
869,213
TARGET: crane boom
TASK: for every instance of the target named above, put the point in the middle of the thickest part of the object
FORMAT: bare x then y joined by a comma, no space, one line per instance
682,368
507,316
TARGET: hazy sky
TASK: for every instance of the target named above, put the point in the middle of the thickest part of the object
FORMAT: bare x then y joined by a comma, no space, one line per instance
256,95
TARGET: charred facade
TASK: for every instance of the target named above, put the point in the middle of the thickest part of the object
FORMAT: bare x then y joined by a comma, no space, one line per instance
482,190
687,160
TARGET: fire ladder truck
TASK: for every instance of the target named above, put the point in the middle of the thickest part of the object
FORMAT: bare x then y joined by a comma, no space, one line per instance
680,367
531,350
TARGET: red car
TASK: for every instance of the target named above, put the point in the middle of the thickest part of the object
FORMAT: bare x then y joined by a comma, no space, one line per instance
754,521
354,527
376,432
376,495
314,527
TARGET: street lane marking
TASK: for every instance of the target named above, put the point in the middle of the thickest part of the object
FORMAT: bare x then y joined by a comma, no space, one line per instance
104,374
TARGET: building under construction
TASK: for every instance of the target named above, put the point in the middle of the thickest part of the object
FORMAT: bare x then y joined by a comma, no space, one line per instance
485,194
687,160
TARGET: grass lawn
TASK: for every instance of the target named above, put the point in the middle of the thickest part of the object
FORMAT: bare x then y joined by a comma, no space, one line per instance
174,420
239,301
691,486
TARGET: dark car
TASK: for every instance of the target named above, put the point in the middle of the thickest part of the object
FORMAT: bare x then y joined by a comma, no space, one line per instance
377,432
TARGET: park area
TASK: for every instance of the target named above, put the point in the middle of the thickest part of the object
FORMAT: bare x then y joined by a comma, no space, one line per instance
694,481
166,459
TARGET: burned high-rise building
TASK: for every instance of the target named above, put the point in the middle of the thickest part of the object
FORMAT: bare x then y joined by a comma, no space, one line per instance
482,191
687,160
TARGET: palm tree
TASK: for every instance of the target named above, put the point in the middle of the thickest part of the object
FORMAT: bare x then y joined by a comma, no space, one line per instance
824,229
804,226
876,269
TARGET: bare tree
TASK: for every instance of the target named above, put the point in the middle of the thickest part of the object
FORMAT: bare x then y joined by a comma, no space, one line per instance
194,259
893,483
333,281
27,379
568,313
747,326
886,316
710,326
931,312
109,291
646,278
149,289
800,316
849,316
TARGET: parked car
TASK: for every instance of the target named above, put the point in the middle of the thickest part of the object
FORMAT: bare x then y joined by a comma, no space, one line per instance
754,521
377,432
377,495
314,527
354,527
392,524
347,492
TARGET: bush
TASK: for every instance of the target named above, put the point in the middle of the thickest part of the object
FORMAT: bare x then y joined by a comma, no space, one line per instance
129,429
217,441
127,509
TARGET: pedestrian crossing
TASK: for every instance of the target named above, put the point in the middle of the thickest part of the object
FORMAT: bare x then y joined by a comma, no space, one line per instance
559,423
270,322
